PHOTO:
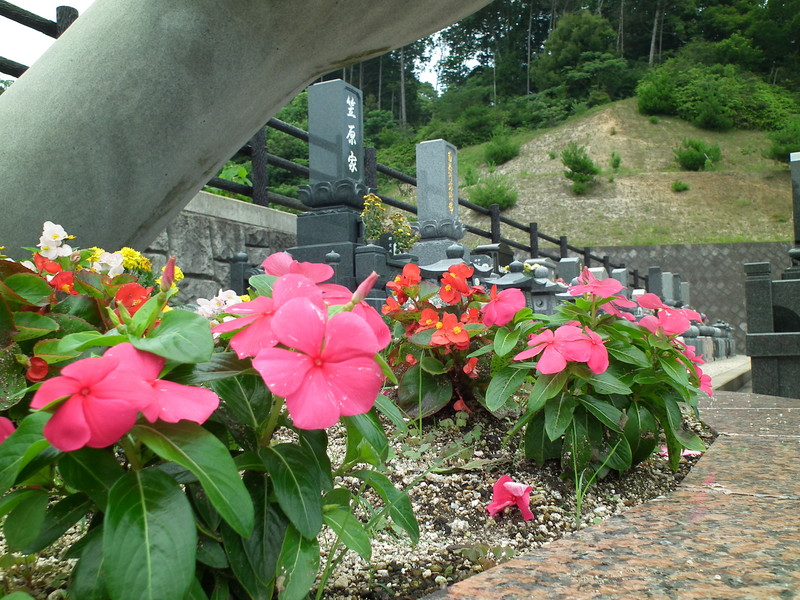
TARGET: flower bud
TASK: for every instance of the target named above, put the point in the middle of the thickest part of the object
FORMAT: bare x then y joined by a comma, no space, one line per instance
168,276
364,288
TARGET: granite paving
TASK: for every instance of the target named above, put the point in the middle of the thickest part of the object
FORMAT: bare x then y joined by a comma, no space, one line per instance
729,532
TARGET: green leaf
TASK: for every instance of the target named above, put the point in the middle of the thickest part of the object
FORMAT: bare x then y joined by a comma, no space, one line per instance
68,324
149,538
619,454
315,442
389,410
60,517
606,383
10,500
687,439
194,448
221,366
422,392
503,385
245,407
350,530
34,289
262,284
6,325
675,370
366,439
253,560
558,415
297,565
539,447
30,325
545,387
640,431
399,504
211,553
18,596
505,340
422,338
297,486
629,354
90,470
89,284
80,307
182,336
606,413
21,447
88,581
146,315
433,366
25,521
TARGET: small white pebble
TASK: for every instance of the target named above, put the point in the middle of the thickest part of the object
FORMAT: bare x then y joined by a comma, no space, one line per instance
441,581
459,525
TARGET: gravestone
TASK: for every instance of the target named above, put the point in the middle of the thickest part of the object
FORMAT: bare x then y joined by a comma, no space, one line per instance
654,281
569,268
437,201
793,272
336,189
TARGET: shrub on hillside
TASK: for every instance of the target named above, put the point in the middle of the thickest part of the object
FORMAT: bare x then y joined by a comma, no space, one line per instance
696,155
495,189
581,168
500,149
679,186
785,140
615,161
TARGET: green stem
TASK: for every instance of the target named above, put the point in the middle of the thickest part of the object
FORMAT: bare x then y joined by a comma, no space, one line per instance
274,414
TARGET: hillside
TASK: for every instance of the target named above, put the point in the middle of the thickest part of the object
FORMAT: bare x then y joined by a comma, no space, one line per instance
745,198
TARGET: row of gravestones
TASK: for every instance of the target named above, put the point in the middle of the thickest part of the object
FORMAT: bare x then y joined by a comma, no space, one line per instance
332,232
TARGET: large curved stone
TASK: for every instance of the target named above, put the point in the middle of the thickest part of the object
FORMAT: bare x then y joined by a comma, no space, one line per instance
138,104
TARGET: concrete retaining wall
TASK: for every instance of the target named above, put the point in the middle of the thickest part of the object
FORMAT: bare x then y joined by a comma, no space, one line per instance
209,231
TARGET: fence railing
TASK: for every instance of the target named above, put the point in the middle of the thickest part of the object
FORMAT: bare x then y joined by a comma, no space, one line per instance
65,16
260,194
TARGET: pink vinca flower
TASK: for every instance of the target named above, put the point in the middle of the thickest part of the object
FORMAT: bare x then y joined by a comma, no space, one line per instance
256,320
103,399
335,295
282,263
170,401
589,284
332,374
6,429
507,493
502,307
568,343
598,355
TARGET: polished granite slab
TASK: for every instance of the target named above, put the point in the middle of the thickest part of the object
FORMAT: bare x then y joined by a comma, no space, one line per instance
730,531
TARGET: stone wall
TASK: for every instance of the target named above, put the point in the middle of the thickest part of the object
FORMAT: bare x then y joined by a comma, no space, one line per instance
715,272
209,231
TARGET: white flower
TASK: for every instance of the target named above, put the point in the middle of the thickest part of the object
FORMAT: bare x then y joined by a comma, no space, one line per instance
110,262
53,232
228,298
48,249
29,265
64,250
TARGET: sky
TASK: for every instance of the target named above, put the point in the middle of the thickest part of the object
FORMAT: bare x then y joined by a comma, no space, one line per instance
24,45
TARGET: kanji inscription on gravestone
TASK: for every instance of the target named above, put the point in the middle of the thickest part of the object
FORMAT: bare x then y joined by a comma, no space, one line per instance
437,190
335,132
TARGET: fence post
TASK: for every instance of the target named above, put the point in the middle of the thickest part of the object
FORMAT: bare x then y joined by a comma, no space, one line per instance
607,264
587,257
495,215
533,228
636,279
562,243
371,168
65,16
260,171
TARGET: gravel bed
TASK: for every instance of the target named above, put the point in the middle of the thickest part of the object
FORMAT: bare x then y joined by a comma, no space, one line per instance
458,538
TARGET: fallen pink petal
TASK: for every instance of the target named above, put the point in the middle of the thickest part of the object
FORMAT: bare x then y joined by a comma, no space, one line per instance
507,492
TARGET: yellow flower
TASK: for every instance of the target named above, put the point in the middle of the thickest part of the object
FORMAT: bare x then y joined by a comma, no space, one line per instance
1,254
245,297
134,261
95,255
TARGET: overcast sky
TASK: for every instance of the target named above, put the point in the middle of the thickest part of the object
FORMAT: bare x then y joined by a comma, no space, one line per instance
24,45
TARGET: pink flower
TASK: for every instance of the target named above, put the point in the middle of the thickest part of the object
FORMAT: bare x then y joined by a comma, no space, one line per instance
338,294
170,401
589,284
6,429
256,324
282,263
332,374
598,358
364,288
502,307
651,301
103,399
568,343
506,493
666,322
684,452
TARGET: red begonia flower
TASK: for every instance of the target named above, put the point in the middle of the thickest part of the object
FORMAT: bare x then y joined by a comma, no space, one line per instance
37,370
64,281
132,296
451,332
410,277
428,318
507,493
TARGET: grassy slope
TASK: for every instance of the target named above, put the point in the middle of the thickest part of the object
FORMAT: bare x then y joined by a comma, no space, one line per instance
745,198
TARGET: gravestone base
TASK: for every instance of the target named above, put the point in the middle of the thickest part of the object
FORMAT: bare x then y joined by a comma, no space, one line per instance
327,225
775,363
433,250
